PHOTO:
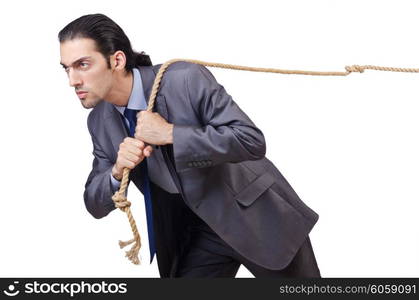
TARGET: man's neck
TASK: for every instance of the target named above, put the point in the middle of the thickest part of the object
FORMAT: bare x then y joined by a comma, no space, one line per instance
121,92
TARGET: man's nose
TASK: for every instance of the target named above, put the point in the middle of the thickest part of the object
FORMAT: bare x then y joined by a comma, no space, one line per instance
74,80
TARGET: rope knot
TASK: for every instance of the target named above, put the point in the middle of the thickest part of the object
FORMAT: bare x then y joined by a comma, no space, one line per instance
354,68
120,201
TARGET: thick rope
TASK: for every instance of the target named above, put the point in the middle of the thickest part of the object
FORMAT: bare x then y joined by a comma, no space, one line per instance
123,204
119,198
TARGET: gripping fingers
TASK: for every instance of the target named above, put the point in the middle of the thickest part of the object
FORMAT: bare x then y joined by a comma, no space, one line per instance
147,151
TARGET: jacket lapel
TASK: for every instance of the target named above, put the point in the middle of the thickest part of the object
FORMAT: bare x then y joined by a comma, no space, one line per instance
147,78
148,75
114,126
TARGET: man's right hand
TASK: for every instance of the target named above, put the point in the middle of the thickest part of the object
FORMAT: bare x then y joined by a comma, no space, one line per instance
131,153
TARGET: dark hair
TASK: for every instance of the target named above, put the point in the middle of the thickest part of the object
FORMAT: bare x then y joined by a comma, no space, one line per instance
109,38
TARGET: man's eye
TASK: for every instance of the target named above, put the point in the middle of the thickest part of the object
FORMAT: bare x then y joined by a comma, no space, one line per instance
83,64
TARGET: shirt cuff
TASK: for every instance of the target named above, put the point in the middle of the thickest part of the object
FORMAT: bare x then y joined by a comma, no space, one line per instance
115,183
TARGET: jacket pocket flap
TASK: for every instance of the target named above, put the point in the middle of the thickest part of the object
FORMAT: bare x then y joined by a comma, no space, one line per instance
249,194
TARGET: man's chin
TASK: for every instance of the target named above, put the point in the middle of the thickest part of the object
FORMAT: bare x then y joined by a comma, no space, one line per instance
87,104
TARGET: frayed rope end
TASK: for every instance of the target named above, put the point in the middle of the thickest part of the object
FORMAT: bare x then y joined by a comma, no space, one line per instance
132,254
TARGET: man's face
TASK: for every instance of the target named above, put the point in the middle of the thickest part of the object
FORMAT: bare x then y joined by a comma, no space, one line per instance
87,70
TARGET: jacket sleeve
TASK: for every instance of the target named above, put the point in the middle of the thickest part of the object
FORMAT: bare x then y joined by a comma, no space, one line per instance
98,188
227,134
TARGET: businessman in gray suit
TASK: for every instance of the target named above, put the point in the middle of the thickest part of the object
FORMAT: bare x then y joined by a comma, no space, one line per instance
217,201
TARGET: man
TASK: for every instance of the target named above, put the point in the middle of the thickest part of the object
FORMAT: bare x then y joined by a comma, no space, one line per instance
216,201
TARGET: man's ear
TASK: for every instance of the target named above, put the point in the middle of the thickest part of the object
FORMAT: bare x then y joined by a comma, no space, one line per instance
118,60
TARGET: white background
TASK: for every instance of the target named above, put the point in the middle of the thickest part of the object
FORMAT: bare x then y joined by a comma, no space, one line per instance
348,145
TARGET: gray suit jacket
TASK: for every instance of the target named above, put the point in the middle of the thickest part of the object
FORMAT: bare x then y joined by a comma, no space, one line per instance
218,163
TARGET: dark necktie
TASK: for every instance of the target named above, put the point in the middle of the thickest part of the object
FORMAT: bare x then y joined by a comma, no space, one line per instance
131,115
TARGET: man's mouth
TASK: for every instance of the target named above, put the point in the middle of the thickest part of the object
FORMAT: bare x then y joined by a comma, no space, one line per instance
81,94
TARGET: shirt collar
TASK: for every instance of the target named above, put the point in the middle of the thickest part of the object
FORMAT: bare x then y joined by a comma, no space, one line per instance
136,99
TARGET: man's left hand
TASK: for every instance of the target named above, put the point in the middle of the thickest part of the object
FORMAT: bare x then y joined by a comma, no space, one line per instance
153,129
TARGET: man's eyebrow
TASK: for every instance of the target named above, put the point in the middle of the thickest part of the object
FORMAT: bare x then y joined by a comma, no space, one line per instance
76,61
